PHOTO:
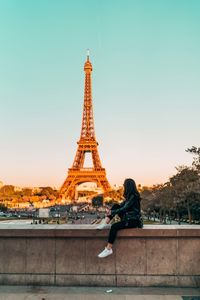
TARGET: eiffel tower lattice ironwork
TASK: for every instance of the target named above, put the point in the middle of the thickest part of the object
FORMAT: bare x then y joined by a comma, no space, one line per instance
87,143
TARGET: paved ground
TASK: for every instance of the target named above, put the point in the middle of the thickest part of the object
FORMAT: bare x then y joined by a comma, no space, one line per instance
96,293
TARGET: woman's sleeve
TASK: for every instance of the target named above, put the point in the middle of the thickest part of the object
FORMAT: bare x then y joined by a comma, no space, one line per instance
126,205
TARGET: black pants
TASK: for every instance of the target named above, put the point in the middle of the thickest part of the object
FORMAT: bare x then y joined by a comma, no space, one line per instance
120,225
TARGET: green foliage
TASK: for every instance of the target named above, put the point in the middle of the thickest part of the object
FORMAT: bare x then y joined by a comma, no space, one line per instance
97,201
26,192
7,190
48,191
196,158
3,208
179,196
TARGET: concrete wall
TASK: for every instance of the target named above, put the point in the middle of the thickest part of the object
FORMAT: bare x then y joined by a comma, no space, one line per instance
67,255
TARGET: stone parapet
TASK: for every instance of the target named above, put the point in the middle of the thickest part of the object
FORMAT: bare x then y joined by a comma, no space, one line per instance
160,255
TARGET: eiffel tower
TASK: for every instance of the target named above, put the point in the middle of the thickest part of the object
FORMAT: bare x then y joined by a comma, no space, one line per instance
87,144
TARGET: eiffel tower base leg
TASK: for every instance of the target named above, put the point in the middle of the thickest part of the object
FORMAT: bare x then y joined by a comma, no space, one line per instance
76,177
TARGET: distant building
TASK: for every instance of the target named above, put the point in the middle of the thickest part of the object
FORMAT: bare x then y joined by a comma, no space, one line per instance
1,184
36,189
85,190
74,208
17,189
33,189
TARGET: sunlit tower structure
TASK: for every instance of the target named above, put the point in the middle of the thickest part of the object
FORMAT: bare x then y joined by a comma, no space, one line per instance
87,143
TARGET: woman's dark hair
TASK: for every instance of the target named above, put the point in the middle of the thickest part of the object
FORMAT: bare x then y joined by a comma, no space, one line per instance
130,188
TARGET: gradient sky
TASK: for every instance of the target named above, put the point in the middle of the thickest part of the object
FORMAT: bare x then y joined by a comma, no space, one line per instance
146,86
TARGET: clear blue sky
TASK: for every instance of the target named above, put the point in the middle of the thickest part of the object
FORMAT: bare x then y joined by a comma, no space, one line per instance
146,86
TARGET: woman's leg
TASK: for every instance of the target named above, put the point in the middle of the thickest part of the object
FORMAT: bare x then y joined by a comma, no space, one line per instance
112,235
134,224
117,226
109,218
113,232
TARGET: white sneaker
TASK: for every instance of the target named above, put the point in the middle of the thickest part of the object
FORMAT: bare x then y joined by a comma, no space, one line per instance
104,226
105,253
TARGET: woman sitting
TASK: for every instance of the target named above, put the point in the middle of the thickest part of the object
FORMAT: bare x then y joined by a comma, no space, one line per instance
129,212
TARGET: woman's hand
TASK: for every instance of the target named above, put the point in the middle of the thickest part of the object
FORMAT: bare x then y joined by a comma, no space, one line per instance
108,212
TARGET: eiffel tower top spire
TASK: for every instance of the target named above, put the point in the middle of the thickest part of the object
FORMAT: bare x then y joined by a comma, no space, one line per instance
88,65
88,54
87,130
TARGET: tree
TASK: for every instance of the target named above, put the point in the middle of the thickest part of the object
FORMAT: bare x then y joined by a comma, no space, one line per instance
97,201
184,184
196,158
48,192
3,208
27,192
115,194
151,200
7,190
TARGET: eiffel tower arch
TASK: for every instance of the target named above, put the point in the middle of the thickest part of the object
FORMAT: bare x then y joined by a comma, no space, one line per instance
87,143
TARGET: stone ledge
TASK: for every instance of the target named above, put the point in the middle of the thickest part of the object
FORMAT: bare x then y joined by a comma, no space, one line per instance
68,255
92,231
